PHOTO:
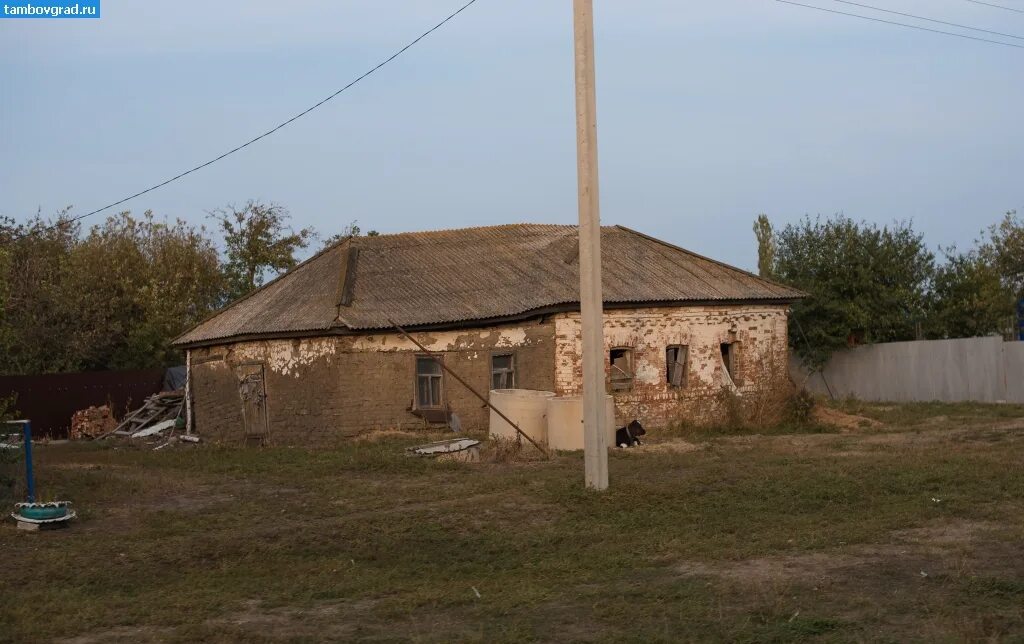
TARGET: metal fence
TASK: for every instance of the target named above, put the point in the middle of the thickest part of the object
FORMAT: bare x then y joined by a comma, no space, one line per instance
969,369
50,400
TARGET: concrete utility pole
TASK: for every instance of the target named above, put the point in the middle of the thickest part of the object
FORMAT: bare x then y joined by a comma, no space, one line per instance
595,436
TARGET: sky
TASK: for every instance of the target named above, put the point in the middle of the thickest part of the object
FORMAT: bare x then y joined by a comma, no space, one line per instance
709,113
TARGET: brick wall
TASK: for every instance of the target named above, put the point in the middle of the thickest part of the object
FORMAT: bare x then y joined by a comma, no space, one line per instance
760,366
320,389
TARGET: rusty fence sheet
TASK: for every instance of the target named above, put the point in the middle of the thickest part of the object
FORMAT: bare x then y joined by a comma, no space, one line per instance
49,400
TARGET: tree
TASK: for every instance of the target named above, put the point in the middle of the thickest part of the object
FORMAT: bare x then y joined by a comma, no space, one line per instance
257,242
113,299
766,246
865,283
137,283
1005,249
968,298
36,320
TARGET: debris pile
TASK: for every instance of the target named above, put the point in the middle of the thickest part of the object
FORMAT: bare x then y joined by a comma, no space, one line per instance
157,416
457,449
92,422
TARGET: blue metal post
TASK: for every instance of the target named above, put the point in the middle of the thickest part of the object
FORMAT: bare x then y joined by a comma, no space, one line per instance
29,479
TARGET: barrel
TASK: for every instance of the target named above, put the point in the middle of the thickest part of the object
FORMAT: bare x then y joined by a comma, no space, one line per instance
527,408
565,422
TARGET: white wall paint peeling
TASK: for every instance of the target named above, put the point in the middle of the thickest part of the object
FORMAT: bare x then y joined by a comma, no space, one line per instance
288,357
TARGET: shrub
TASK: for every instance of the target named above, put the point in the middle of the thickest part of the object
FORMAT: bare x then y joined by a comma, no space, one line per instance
801,407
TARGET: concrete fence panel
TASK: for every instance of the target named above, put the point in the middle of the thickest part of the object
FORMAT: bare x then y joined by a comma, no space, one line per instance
1013,359
969,369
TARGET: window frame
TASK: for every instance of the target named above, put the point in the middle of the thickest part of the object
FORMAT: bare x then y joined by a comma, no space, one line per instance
510,375
730,362
417,376
623,383
683,367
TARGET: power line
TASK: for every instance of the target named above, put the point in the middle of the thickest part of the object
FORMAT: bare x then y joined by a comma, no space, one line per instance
902,24
268,132
941,22
997,6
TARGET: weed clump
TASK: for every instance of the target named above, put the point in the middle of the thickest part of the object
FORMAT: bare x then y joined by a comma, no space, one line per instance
497,449
800,407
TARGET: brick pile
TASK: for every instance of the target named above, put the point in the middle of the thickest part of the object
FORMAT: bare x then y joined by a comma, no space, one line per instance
92,422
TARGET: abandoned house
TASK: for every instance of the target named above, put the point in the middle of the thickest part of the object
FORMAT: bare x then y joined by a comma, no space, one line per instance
314,354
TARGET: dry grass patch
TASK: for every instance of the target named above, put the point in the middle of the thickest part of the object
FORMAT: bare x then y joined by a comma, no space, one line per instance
784,537
833,417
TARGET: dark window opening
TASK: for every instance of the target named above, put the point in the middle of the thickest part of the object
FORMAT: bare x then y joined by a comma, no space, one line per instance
621,369
428,383
503,371
676,357
729,359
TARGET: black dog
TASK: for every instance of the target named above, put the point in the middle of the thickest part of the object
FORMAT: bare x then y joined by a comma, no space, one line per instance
629,435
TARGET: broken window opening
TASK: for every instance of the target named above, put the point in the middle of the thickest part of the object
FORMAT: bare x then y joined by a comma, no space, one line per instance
729,359
621,369
676,357
503,371
428,382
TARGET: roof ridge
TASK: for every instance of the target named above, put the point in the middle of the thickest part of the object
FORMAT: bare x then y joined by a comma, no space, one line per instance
523,224
713,261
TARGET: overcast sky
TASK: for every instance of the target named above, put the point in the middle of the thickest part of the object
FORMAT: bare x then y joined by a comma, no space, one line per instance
710,112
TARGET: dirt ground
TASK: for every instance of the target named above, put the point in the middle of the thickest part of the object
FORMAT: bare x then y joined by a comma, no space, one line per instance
889,524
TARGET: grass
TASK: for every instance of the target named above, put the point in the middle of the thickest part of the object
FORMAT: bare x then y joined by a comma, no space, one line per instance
785,428
932,414
770,538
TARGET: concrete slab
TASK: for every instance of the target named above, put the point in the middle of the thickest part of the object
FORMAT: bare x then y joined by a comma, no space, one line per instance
31,526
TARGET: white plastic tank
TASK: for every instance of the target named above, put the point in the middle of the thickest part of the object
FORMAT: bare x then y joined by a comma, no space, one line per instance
565,422
525,407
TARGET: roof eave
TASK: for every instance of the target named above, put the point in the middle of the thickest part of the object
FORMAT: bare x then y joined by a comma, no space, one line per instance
341,329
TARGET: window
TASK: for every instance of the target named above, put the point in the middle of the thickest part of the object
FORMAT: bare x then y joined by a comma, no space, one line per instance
730,351
428,382
503,371
675,363
622,369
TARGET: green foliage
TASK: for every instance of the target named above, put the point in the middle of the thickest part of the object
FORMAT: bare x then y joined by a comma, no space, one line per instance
800,408
116,295
258,242
766,246
113,299
870,284
36,321
968,297
1005,249
865,283
136,284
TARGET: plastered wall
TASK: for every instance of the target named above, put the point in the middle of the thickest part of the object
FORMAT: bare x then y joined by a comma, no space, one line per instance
758,333
322,389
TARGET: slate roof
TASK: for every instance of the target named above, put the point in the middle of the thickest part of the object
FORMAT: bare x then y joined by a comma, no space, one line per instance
452,277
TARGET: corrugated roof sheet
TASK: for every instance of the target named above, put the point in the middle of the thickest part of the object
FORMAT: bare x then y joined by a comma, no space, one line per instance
453,276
